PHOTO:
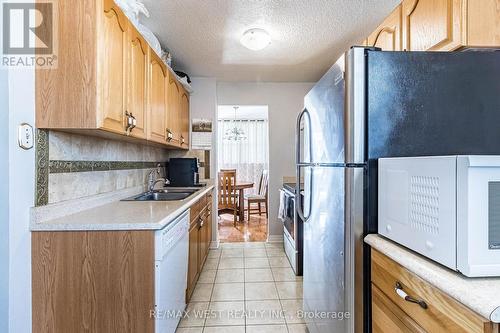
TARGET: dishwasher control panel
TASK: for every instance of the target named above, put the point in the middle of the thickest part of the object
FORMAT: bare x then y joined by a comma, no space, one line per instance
167,237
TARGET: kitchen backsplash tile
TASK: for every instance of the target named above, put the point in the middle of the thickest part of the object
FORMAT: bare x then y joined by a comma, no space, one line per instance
71,147
82,166
67,186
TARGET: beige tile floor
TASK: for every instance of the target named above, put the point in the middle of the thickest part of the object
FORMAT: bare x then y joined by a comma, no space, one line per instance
246,278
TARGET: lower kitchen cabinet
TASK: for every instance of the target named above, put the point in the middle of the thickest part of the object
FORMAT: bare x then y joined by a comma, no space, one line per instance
388,317
200,237
93,281
438,312
104,281
193,271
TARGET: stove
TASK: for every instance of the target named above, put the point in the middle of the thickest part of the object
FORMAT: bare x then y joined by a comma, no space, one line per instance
293,236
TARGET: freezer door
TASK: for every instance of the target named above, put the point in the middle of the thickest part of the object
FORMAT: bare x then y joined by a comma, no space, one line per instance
433,103
325,105
324,287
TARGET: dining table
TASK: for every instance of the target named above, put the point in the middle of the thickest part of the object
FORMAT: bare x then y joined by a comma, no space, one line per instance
241,187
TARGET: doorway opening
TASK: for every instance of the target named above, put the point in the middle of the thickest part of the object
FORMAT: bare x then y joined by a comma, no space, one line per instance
243,173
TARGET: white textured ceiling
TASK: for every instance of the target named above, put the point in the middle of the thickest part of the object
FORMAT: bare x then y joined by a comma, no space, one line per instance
307,35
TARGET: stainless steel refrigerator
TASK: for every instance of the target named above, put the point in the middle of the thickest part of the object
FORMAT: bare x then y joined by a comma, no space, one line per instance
374,104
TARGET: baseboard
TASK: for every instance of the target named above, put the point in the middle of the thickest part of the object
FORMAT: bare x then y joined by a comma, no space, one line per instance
214,245
275,238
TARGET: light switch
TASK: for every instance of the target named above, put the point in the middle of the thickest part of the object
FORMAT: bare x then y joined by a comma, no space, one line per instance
25,136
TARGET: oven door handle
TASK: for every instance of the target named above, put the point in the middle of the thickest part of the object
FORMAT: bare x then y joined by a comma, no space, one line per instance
283,206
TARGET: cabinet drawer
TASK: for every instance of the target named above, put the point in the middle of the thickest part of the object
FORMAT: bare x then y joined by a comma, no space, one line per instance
443,314
204,200
209,199
388,317
195,210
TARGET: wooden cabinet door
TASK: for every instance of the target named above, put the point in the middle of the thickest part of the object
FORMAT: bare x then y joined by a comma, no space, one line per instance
193,259
173,122
432,25
203,241
208,231
137,83
157,116
483,23
184,118
443,313
387,36
209,221
387,317
112,73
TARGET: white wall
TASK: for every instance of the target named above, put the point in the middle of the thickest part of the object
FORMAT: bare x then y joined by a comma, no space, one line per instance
203,104
285,101
4,201
21,198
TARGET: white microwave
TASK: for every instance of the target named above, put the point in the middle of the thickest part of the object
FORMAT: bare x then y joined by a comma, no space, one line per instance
446,208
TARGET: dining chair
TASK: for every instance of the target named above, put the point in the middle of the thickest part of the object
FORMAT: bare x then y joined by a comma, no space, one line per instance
261,197
228,196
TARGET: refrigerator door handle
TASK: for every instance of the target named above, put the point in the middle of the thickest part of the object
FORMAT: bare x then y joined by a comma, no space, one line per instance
299,165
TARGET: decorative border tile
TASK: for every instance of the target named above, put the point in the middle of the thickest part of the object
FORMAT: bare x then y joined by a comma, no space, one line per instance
58,166
42,167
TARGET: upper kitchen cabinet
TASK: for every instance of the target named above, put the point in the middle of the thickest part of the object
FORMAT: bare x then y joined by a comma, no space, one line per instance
445,25
108,82
433,25
178,114
173,118
88,89
387,36
112,78
184,117
138,51
158,100
483,28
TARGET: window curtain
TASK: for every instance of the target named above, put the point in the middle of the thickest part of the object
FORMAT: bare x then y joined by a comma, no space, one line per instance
249,156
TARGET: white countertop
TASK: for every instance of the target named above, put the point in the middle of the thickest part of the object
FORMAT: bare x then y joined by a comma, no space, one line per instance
482,295
115,215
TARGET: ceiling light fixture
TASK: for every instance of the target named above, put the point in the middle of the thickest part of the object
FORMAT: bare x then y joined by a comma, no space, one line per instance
235,133
255,39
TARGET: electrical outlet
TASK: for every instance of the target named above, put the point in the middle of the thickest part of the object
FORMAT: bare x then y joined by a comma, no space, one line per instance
25,136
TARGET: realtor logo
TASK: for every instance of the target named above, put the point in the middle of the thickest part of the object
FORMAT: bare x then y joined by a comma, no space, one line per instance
29,34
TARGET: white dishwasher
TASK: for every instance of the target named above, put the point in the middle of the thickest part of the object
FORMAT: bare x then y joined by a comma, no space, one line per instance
171,265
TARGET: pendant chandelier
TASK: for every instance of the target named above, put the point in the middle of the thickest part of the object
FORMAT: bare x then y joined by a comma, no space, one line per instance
235,133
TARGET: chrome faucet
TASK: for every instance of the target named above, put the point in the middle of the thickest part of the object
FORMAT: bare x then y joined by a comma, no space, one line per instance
152,180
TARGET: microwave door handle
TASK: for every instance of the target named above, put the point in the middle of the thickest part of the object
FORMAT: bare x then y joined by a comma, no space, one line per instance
299,166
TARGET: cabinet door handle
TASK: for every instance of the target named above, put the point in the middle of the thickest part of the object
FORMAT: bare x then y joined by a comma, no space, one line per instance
131,121
169,135
398,288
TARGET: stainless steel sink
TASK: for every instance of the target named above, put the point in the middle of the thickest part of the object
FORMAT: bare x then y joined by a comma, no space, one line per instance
162,195
175,190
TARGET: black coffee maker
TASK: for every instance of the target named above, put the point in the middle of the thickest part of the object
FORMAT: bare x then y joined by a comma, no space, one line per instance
183,172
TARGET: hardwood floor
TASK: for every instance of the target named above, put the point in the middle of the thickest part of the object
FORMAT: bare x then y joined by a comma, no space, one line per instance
254,230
